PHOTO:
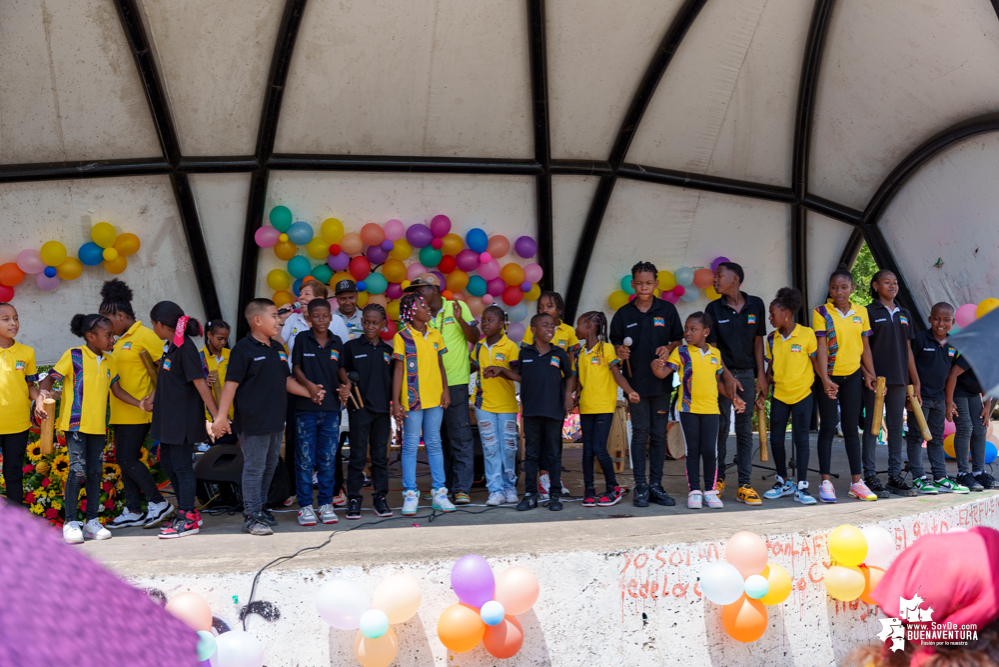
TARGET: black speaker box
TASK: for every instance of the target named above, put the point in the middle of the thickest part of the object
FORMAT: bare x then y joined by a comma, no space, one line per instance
219,474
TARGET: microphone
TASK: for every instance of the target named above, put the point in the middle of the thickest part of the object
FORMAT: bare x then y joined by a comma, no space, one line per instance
354,378
627,343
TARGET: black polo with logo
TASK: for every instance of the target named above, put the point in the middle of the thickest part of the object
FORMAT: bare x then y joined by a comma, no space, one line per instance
656,328
320,364
734,333
933,362
889,341
542,381
967,385
178,411
373,365
261,371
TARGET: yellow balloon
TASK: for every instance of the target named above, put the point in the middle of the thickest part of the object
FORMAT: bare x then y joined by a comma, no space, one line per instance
331,230
847,545
845,583
116,266
70,269
103,234
986,306
285,250
127,244
376,652
283,238
451,244
318,248
534,294
404,284
401,251
392,309
362,299
711,293
780,584
340,275
278,280
53,253
110,254
394,270
666,281
949,446
617,299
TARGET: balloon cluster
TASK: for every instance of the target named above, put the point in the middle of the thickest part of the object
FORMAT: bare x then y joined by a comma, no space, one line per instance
744,584
970,312
685,284
382,259
860,558
487,607
51,264
991,442
235,648
345,605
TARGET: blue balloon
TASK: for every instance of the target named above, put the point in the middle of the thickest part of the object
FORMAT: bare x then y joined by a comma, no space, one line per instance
375,283
477,240
299,267
300,233
756,586
691,295
477,286
990,452
361,285
517,313
296,287
91,254
50,272
492,613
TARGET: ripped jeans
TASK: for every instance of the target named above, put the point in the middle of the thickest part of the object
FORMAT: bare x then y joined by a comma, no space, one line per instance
500,443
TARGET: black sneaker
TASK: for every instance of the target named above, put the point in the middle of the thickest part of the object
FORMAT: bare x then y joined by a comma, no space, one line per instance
658,495
611,497
186,523
381,507
874,484
590,498
254,527
986,480
264,516
969,480
640,498
898,486
528,502
554,504
354,508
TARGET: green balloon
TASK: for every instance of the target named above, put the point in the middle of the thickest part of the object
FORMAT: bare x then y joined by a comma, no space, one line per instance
281,218
430,257
323,273
375,283
626,285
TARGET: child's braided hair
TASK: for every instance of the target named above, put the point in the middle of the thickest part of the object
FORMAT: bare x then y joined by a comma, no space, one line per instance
374,308
600,322
502,315
555,298
875,278
407,307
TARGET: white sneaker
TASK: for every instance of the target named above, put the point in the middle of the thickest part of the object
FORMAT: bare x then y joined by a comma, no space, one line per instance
495,499
694,500
326,514
543,485
410,502
511,495
157,512
126,519
712,500
93,530
565,490
441,502
307,516
72,533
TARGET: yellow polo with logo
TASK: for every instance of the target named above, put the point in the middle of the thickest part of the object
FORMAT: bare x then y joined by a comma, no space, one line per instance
699,370
497,395
132,372
213,363
844,334
419,352
17,371
86,383
791,361
598,393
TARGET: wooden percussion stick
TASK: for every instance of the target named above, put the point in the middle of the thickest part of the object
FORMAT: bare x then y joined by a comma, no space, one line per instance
47,429
150,365
761,418
879,404
920,417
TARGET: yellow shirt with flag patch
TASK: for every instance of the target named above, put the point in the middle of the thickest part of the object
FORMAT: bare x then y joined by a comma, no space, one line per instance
84,402
17,371
213,363
497,395
791,361
132,372
598,388
422,384
844,334
699,370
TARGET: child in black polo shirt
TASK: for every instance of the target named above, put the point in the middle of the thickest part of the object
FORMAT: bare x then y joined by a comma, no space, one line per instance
971,417
370,426
257,384
315,362
546,382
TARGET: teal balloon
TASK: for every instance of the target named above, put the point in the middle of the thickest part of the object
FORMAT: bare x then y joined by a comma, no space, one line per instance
373,623
477,286
757,586
626,285
322,273
684,276
299,267
206,645
376,283
91,254
300,233
430,256
281,218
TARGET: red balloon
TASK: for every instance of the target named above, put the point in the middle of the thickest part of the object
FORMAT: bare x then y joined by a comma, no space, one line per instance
335,249
390,329
504,640
512,295
679,290
447,264
6,293
360,267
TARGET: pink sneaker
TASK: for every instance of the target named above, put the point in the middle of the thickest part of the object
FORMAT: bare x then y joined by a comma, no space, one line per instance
827,493
695,500
860,491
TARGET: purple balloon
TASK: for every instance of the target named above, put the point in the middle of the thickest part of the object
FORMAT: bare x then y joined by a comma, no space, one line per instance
525,247
45,283
440,277
394,291
376,255
388,246
496,286
440,226
266,237
718,260
419,236
526,286
516,331
472,580
467,260
338,262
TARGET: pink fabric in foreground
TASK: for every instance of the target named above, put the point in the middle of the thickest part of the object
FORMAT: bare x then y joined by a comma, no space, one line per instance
58,607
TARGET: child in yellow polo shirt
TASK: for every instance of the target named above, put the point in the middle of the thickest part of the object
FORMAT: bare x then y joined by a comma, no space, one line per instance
17,391
599,376
496,406
793,365
420,395
700,368
88,373
215,358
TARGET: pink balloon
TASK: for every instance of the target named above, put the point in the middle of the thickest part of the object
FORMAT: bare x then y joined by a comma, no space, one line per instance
46,283
487,299
467,260
394,230
489,271
747,552
414,270
533,273
394,291
440,226
515,332
485,258
671,297
266,237
496,286
965,315
949,428
679,291
30,261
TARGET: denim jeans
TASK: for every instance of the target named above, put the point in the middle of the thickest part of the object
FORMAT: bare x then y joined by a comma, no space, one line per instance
178,463
596,428
500,442
317,438
542,434
933,411
743,428
428,422
894,411
261,454
699,437
369,432
14,446
456,441
85,450
970,433
799,415
848,400
648,424
135,476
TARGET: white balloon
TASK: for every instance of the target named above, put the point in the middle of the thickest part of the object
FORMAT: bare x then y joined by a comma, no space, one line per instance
341,603
880,546
238,648
721,583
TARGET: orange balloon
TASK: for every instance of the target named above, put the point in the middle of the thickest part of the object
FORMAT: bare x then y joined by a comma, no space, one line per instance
117,265
127,243
10,274
282,298
376,652
516,589
457,280
498,246
451,244
475,304
512,274
351,243
380,299
504,640
460,628
340,275
745,620
192,609
872,577
285,250
447,294
372,234
394,270
704,278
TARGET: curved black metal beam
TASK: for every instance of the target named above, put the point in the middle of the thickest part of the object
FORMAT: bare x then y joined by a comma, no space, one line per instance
291,19
58,171
685,179
138,43
537,49
405,164
605,188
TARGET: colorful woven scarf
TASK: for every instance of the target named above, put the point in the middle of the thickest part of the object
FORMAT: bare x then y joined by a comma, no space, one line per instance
412,371
688,377
76,410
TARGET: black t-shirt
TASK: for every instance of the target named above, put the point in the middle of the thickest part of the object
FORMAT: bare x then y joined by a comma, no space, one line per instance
967,385
320,364
542,381
178,411
655,328
889,341
373,365
933,362
734,334
261,370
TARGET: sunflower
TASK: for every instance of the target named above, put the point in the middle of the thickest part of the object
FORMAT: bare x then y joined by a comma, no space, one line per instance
60,465
111,470
35,452
42,467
